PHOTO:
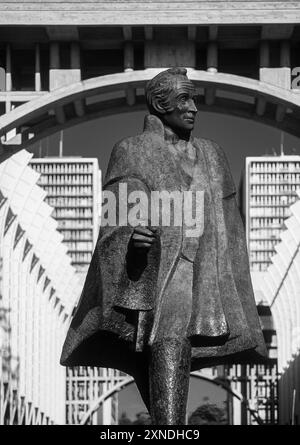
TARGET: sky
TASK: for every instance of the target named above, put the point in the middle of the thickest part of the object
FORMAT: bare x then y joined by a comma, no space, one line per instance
238,137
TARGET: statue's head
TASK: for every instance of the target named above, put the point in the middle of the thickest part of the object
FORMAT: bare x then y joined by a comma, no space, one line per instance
170,96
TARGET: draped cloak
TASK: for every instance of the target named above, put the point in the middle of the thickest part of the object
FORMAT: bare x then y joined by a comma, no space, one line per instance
121,312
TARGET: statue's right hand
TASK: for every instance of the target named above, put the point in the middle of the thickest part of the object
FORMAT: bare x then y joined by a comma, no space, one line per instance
143,237
140,243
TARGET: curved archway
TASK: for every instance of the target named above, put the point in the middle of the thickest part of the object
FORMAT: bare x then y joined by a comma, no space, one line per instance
123,92
130,380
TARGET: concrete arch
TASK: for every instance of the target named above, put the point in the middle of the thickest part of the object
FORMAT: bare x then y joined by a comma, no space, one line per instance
126,381
124,92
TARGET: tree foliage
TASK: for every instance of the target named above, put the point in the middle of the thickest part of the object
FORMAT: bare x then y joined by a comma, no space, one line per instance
208,414
141,418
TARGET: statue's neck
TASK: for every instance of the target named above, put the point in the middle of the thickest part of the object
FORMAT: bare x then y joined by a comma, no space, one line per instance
176,134
156,124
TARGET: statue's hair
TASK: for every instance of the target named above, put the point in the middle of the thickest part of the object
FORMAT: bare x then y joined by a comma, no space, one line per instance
160,87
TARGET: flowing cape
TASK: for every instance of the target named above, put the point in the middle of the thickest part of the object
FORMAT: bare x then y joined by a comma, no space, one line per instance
117,314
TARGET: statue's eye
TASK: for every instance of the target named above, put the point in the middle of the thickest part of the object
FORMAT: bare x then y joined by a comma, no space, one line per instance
183,98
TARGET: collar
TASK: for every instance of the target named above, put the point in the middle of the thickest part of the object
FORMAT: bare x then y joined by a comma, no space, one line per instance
153,124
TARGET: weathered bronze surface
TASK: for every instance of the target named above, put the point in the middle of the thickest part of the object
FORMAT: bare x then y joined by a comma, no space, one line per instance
157,303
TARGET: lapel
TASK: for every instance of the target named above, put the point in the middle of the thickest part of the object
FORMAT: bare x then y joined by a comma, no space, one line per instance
167,158
221,180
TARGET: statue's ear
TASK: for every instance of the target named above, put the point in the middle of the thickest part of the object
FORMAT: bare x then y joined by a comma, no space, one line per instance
158,107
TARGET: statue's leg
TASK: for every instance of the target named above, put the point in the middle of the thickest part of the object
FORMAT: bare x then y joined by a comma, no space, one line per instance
170,365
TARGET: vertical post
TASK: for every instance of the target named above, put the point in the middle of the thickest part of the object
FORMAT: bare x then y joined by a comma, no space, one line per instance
264,62
264,56
149,33
148,30
223,374
75,56
7,106
272,408
61,144
293,407
191,32
47,146
244,394
212,57
128,57
128,49
2,75
281,143
54,55
54,66
38,85
285,56
8,68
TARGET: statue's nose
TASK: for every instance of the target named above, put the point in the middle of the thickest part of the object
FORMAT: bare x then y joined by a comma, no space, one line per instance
192,106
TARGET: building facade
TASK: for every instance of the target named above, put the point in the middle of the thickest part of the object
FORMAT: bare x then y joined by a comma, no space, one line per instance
73,186
38,291
281,287
271,185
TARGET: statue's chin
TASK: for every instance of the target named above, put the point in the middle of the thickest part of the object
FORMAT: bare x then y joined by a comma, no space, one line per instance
187,128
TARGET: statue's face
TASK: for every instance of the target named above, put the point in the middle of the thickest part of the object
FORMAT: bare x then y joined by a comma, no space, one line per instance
182,118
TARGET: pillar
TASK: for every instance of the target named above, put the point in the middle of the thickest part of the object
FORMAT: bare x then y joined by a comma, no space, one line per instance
38,85
8,79
212,57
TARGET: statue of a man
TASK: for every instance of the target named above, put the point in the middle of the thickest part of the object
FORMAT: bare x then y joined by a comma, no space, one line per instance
159,302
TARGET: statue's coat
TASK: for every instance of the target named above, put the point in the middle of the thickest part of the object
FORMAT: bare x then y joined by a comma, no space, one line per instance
117,315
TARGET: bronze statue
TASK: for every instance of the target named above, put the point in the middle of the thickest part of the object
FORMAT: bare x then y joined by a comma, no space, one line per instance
158,303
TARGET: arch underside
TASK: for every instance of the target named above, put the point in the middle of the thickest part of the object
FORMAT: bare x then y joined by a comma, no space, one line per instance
128,380
124,92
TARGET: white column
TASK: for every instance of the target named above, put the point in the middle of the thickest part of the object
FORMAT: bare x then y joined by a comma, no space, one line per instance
38,85
212,57
8,68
